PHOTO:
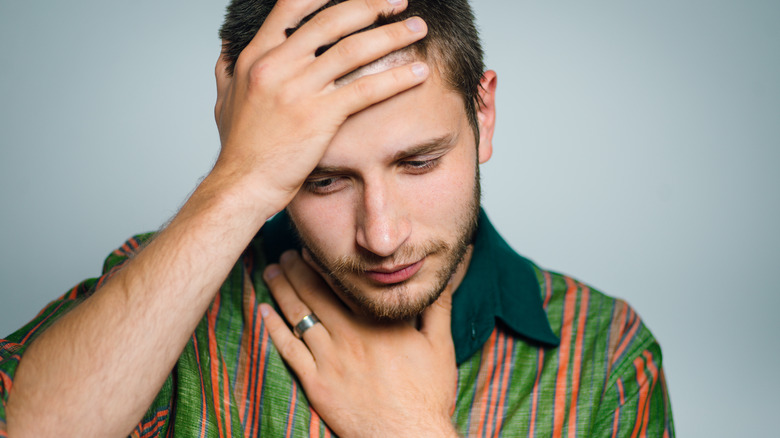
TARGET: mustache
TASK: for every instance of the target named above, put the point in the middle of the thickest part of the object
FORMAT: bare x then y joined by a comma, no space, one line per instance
407,254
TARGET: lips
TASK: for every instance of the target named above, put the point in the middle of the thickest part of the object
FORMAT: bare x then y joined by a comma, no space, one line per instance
396,274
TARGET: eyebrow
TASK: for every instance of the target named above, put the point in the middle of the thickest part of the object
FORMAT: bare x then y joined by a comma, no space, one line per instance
432,146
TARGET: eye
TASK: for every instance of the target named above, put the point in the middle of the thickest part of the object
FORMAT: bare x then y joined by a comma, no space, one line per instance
418,167
323,186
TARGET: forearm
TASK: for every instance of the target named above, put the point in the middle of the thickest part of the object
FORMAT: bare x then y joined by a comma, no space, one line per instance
95,371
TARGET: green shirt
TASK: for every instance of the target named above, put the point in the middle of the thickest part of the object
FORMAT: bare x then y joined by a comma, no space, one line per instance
539,354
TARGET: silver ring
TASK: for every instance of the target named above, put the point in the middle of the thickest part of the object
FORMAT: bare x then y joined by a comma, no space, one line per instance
306,323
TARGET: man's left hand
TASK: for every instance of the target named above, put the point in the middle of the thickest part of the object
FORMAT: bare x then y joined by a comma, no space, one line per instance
364,378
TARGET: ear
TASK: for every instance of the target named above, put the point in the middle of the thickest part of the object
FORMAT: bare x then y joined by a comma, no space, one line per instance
223,83
486,114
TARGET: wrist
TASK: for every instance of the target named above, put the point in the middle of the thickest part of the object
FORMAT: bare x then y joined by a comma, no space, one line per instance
241,192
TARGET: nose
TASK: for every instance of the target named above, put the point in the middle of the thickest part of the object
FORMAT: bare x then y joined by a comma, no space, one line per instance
382,225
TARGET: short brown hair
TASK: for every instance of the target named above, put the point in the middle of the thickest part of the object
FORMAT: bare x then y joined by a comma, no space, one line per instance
452,44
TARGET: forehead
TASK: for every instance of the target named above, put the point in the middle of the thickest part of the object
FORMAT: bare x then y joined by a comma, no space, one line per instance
423,113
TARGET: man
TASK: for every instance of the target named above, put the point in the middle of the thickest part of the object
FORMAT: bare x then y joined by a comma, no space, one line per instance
368,134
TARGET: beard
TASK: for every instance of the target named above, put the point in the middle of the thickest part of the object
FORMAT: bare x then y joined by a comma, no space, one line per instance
398,301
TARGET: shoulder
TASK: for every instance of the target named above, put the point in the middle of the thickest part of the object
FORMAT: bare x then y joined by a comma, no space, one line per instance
584,316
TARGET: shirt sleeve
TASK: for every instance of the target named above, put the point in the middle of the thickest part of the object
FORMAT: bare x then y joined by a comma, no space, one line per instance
636,400
12,348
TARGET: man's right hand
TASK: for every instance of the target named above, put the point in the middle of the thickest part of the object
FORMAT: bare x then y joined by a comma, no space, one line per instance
280,110
276,117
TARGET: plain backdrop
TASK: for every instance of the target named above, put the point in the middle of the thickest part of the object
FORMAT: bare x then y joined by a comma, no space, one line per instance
637,149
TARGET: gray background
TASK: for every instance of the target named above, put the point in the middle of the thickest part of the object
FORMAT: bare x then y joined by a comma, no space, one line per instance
637,150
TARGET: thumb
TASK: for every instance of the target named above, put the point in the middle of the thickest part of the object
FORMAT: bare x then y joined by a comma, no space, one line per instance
436,319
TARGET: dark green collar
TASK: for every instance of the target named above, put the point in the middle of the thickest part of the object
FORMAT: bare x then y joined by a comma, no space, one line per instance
500,286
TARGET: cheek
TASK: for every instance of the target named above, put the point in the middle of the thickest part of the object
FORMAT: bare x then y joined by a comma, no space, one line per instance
324,222
443,195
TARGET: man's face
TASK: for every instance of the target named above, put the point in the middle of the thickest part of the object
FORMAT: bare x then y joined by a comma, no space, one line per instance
391,208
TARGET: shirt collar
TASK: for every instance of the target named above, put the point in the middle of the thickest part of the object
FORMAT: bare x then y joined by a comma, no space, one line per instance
500,286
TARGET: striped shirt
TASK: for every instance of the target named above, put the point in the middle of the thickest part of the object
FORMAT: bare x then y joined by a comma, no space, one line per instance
539,354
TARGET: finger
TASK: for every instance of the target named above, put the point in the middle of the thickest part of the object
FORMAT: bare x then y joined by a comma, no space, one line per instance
338,21
361,49
292,349
293,308
313,290
368,90
284,15
436,320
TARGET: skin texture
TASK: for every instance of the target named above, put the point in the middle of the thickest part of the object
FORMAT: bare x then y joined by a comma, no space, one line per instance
276,117
370,206
379,203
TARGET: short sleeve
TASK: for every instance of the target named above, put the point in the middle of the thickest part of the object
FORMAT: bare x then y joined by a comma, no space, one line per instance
12,348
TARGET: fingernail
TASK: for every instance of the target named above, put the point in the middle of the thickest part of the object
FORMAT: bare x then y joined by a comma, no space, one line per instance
264,310
415,24
272,272
418,68
287,256
395,2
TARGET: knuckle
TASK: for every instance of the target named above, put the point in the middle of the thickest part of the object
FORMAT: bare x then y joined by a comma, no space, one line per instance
363,88
244,60
322,20
375,5
258,74
347,48
286,348
396,31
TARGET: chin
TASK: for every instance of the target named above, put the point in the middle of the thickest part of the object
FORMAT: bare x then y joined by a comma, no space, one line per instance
398,302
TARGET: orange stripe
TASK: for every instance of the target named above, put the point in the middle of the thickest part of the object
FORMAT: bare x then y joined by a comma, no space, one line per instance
548,293
628,337
654,375
507,366
247,357
563,357
488,358
617,411
214,364
31,332
641,379
156,418
494,384
314,424
535,402
202,387
156,428
662,378
291,415
5,379
577,370
615,422
260,375
226,398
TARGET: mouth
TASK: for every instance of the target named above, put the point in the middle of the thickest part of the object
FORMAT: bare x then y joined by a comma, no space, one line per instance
396,274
